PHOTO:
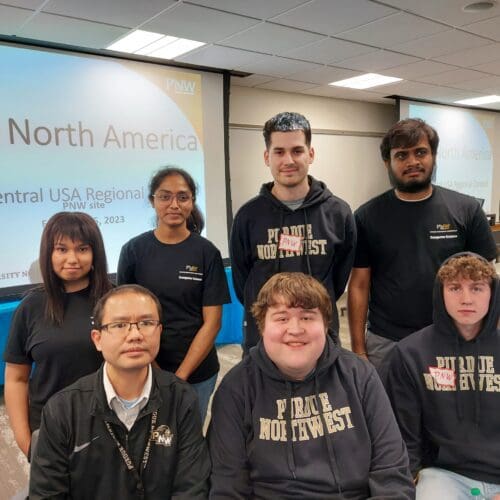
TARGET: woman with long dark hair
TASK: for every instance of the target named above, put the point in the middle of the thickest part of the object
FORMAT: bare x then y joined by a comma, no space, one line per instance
49,337
185,271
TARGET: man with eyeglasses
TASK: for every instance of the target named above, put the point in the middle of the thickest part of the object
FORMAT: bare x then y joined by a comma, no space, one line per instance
129,430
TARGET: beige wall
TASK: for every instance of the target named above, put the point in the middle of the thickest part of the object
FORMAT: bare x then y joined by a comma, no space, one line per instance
346,139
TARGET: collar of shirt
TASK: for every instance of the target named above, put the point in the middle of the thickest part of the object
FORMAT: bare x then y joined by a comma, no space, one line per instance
127,415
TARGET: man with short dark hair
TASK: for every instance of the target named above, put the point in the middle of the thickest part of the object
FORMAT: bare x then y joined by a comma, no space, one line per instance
294,224
403,236
444,385
129,430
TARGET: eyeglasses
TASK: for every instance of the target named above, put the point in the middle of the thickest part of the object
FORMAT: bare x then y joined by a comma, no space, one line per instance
145,326
169,197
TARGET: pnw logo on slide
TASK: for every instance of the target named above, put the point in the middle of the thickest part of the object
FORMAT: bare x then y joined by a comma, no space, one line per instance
187,87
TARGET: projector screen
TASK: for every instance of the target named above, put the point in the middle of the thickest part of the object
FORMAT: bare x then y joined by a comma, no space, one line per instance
85,133
468,158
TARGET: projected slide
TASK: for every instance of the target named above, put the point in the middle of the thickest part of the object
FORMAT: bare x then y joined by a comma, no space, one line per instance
85,133
466,148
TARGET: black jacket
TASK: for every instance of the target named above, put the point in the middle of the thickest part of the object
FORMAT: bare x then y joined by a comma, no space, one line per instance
454,427
77,458
330,436
326,225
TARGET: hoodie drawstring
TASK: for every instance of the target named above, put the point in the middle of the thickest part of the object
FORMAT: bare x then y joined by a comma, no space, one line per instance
289,442
331,452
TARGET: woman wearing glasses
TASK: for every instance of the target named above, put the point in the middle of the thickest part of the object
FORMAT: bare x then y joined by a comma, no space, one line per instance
49,337
185,271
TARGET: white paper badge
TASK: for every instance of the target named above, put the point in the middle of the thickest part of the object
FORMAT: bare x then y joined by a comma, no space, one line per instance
290,242
443,376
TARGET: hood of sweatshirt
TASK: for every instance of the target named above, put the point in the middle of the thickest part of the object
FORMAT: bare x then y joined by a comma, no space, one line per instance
444,325
318,193
443,322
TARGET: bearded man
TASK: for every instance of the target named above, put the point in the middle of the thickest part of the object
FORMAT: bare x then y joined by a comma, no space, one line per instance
404,235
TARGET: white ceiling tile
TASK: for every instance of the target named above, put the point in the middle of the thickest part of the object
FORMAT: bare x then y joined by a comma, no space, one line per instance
454,76
440,44
492,67
277,66
414,71
198,23
490,84
392,30
377,61
271,39
261,9
59,29
286,85
332,17
251,80
27,4
472,57
128,13
489,28
446,11
404,88
216,56
12,19
329,50
345,93
324,75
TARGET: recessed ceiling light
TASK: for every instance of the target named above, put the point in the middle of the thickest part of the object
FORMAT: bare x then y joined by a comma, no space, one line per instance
479,6
147,43
135,41
365,81
488,99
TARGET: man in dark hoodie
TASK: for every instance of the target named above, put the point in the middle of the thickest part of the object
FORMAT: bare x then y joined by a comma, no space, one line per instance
294,224
301,418
444,385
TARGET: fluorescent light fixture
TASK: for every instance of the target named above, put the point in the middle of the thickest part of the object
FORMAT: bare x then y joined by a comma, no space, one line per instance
176,48
151,44
135,41
365,81
476,101
158,44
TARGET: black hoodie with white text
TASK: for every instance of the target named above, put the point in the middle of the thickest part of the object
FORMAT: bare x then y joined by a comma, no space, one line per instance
445,392
330,436
327,231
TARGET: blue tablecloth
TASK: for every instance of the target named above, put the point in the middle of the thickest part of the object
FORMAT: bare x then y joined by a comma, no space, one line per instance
230,332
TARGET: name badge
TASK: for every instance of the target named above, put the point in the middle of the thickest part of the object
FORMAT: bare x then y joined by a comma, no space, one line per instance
290,242
443,376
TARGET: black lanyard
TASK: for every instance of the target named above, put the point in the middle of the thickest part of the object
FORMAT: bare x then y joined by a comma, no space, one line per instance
126,458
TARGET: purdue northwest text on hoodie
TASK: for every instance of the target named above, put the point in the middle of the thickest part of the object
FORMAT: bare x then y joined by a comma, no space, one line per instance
330,436
450,422
325,225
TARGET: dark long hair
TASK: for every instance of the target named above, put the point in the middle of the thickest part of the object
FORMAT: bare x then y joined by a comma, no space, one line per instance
195,222
76,226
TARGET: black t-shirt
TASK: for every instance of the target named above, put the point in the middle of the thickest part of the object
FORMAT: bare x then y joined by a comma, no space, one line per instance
185,277
404,243
61,355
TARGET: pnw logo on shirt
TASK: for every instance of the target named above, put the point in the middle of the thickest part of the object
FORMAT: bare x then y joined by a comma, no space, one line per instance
443,232
308,417
290,241
162,436
190,273
473,374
